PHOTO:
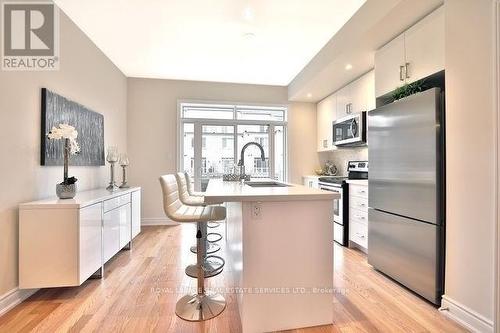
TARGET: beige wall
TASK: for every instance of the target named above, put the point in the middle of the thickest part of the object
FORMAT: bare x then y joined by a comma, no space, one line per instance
470,135
152,128
85,76
302,141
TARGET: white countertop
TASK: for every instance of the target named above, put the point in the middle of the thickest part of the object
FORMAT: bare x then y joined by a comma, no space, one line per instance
220,191
82,199
357,181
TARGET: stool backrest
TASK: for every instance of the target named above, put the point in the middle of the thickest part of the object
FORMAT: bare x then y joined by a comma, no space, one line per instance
190,186
183,186
171,202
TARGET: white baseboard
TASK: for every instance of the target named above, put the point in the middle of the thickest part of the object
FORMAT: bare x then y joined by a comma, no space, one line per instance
157,221
465,316
14,297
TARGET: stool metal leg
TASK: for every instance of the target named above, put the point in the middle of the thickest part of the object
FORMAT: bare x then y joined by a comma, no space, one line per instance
203,305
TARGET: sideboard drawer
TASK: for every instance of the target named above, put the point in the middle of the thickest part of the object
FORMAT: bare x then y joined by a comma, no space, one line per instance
116,202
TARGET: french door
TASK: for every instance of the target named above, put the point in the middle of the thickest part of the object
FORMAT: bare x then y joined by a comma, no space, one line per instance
210,149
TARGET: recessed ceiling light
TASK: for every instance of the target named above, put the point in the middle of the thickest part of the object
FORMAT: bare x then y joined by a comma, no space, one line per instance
309,95
348,67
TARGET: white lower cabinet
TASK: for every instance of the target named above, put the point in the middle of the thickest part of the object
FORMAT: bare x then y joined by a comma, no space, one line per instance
358,216
136,213
90,242
311,181
63,242
111,233
358,233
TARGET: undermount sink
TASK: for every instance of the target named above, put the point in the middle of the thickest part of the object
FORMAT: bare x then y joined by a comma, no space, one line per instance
266,184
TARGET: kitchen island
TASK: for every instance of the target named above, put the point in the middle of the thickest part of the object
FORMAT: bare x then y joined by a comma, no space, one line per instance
280,252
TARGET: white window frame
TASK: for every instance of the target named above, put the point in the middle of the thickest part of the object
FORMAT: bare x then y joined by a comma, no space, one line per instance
199,122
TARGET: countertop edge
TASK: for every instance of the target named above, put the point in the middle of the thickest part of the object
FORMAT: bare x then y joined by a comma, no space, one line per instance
55,203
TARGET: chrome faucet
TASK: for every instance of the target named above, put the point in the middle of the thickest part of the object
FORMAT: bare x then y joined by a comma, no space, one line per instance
241,162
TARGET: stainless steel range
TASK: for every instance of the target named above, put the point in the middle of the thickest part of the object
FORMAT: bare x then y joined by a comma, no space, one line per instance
338,184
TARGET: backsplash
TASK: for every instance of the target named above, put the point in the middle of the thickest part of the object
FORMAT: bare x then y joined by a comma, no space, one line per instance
341,157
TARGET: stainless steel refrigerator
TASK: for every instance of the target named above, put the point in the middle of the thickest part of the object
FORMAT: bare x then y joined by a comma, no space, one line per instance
407,192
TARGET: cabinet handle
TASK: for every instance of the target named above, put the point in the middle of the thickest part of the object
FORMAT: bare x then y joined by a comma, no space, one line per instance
360,217
361,204
407,70
360,235
361,191
401,76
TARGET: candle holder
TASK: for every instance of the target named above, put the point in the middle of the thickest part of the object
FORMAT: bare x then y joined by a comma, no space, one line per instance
124,162
112,158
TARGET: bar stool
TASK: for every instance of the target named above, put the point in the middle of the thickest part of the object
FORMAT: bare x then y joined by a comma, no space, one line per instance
203,305
212,264
192,193
191,198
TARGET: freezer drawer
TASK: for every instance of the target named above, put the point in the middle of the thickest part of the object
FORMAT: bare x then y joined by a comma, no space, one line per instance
407,250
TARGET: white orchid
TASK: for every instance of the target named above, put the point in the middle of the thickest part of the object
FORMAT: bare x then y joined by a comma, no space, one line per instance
65,131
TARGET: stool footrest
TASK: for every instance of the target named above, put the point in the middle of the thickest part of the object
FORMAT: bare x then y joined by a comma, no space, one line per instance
211,248
215,237
211,266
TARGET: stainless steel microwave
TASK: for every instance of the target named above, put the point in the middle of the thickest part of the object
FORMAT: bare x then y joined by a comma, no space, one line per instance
350,130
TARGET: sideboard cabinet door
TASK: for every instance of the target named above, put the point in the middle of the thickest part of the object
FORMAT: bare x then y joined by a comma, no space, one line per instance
90,240
136,213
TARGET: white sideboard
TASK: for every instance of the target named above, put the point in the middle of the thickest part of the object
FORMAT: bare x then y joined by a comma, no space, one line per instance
64,242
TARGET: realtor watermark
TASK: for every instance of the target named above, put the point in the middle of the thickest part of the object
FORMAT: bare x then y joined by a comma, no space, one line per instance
30,36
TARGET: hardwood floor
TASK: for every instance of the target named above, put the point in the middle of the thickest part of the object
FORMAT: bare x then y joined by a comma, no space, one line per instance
141,286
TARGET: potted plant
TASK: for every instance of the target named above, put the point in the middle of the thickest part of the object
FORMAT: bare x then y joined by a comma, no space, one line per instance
66,189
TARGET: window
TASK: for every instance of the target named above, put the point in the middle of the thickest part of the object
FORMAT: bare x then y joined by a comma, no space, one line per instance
212,136
227,143
261,167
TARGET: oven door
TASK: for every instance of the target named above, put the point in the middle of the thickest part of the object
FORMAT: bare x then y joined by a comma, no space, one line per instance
338,226
350,131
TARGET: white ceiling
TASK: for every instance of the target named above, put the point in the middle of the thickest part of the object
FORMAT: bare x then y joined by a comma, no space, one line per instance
209,40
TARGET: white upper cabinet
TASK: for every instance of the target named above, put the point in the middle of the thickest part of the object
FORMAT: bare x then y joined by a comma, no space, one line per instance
413,55
344,102
363,93
325,116
356,97
389,65
424,44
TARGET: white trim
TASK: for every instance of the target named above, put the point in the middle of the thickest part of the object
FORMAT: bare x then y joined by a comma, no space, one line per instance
468,318
496,86
198,122
147,221
14,297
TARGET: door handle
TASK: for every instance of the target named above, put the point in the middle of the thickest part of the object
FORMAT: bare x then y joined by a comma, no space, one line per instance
401,77
407,70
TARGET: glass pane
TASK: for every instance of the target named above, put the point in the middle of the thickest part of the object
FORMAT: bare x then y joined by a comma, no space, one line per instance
279,153
254,165
188,148
217,152
260,113
207,111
